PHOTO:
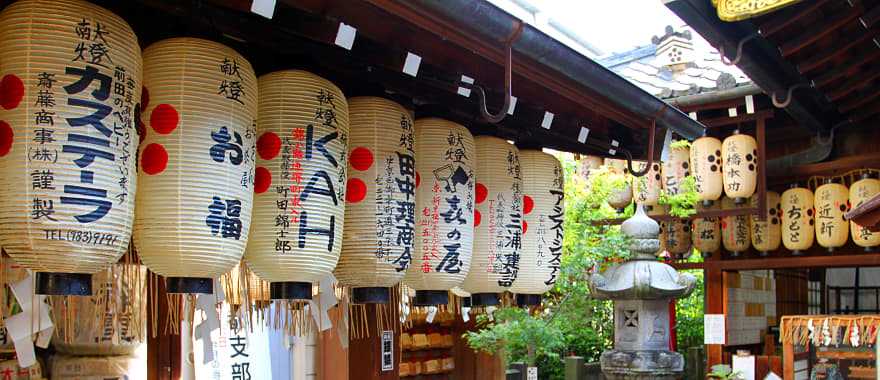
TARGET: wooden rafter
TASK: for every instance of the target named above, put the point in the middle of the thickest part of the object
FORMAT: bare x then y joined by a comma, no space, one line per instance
848,68
820,58
834,23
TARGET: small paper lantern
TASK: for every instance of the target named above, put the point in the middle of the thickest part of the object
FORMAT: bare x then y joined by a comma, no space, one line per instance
675,169
860,192
767,234
543,214
70,82
735,233
196,162
646,189
658,210
299,204
797,219
445,156
497,221
831,203
740,169
677,238
706,164
619,198
706,232
380,199
587,165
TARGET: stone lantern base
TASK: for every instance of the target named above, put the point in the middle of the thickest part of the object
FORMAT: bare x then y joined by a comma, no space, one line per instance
637,365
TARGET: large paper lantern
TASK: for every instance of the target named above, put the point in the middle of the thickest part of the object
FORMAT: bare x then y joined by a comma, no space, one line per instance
380,199
543,213
675,169
497,221
70,81
623,196
860,192
735,235
706,232
196,162
797,219
445,157
706,164
831,203
740,169
299,204
646,189
767,234
676,236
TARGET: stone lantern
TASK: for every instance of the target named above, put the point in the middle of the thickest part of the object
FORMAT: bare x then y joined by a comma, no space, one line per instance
641,289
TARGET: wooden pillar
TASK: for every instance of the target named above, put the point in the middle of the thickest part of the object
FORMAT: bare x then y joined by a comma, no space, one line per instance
715,289
332,357
365,355
788,361
163,350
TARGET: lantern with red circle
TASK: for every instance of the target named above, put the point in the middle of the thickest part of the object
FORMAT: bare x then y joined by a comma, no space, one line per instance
445,181
797,219
831,203
497,221
543,214
299,205
70,83
196,163
380,199
860,192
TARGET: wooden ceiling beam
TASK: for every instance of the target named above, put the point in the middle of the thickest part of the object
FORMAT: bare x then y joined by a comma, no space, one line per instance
781,21
850,67
858,100
823,57
866,112
854,83
806,39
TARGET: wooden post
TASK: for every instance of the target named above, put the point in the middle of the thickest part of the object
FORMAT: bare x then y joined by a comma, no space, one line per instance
163,350
715,289
574,368
788,361
365,355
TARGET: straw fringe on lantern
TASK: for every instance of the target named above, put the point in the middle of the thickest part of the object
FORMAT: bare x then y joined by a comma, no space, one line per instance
706,164
767,234
543,213
860,192
445,155
246,293
797,219
364,318
289,103
381,178
39,40
831,203
498,202
196,169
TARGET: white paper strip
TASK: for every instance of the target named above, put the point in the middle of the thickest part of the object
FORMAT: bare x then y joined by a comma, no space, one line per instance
615,143
582,136
22,326
693,115
432,312
750,104
667,141
345,36
466,92
612,151
512,105
411,65
548,120
265,8
731,112
465,314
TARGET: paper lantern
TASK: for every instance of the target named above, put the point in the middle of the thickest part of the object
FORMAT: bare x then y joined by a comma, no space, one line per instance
196,162
299,204
860,192
735,235
831,203
543,213
677,238
767,234
497,221
70,81
658,210
622,197
706,232
646,189
445,156
740,169
675,169
797,219
380,199
706,164
587,165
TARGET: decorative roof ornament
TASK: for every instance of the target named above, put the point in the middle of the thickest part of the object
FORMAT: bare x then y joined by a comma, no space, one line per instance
736,10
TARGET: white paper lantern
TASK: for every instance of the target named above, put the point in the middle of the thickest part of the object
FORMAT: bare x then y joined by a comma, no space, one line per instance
675,169
380,204
497,220
797,219
706,164
646,189
70,81
767,234
299,204
740,169
196,162
831,203
735,234
619,198
860,192
543,214
445,180
706,232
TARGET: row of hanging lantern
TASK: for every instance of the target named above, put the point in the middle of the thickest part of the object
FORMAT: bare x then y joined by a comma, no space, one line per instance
216,185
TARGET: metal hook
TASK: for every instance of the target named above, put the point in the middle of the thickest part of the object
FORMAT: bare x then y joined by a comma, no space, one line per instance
629,158
783,104
739,48
508,69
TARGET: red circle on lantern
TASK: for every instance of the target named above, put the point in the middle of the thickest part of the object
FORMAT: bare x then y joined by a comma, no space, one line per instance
361,158
482,193
477,218
154,159
355,190
268,145
528,204
262,180
145,98
6,135
525,227
418,179
11,91
723,225
164,119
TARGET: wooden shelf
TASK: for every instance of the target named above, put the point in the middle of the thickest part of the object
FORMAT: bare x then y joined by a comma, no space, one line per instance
846,355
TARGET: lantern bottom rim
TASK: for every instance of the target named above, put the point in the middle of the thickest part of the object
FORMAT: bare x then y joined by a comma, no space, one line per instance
740,200
485,299
796,252
466,302
189,285
431,298
290,290
367,295
63,284
528,299
707,203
